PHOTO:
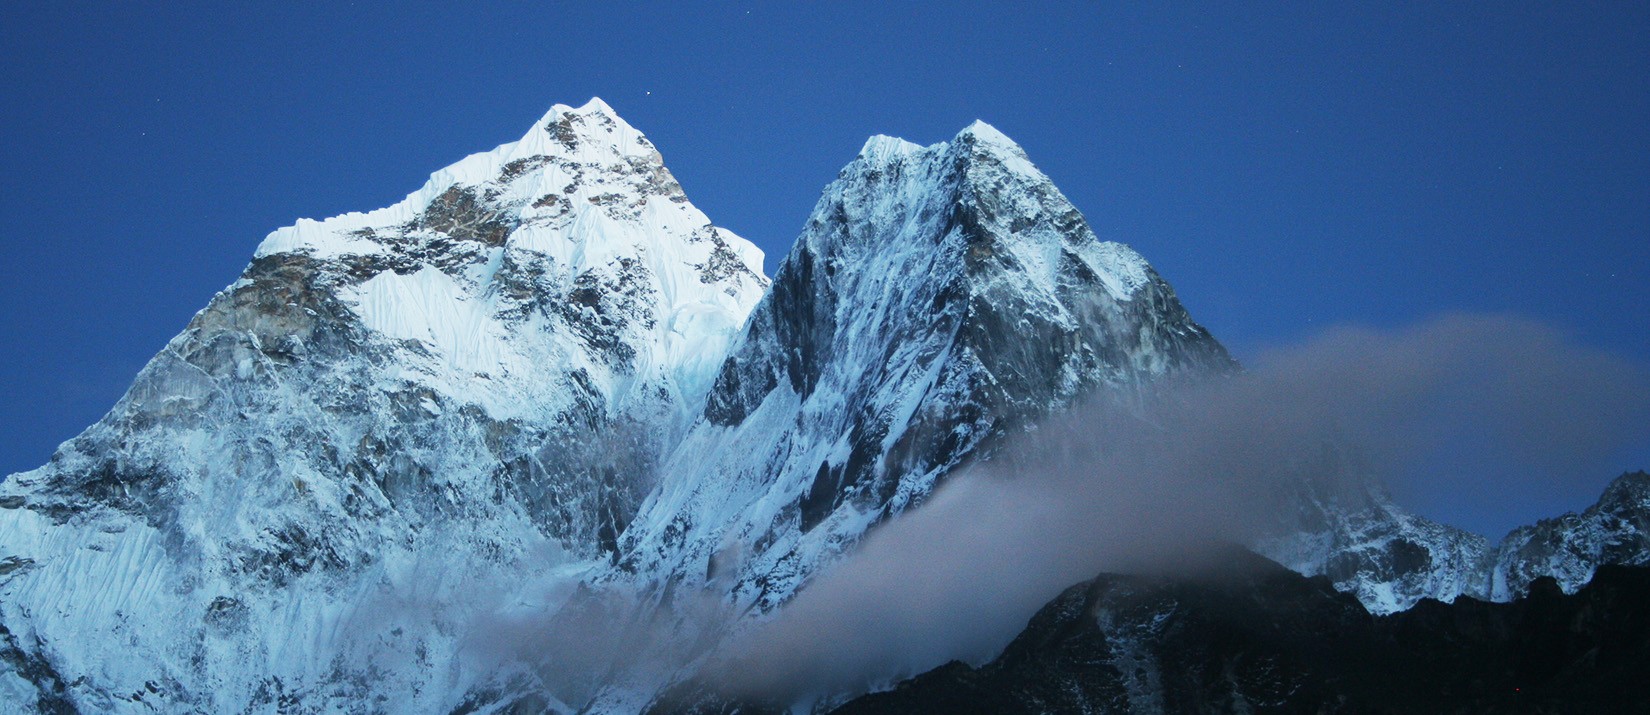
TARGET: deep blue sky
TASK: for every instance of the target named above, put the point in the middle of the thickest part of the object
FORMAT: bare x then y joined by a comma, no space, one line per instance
1285,167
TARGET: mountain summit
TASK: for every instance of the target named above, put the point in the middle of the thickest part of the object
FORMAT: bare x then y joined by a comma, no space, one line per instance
938,298
470,386
536,437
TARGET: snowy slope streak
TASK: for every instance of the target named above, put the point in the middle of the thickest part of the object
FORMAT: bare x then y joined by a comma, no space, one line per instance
545,379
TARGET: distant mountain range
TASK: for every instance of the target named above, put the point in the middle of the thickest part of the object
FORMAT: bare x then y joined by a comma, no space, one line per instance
433,457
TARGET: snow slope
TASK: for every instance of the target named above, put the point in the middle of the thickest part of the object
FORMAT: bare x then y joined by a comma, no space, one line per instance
391,424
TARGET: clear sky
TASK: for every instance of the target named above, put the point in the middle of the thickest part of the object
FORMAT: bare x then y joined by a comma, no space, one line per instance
1286,167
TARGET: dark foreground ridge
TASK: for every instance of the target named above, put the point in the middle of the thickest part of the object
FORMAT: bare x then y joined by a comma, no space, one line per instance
1251,636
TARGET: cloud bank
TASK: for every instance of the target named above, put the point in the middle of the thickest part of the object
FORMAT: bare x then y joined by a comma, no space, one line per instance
1138,487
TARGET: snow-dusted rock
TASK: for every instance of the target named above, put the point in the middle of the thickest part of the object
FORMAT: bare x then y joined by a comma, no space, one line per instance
938,298
391,422
1372,548
1569,548
1391,559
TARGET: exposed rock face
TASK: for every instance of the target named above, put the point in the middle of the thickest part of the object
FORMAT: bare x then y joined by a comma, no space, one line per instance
1616,530
292,505
1391,559
1372,548
1249,636
938,299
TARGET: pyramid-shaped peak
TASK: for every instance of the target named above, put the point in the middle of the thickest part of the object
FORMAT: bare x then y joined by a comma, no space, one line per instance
897,197
593,125
984,132
984,135
572,158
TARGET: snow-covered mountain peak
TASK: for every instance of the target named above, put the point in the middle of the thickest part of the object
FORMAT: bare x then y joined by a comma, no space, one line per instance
938,299
989,213
593,126
1631,488
405,433
578,223
575,170
470,386
978,137
596,105
882,149
1614,530
984,133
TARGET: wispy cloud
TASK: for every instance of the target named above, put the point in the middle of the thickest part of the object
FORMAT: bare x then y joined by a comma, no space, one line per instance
1109,488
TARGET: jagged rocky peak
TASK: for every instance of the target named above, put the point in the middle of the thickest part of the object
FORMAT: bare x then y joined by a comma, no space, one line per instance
470,386
1392,559
967,228
1570,548
938,298
522,299
582,176
577,227
1370,547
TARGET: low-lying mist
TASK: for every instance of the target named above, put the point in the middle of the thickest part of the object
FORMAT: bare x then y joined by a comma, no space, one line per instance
1109,487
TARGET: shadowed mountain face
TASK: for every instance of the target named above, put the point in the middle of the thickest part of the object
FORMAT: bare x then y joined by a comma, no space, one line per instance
938,299
1615,530
1246,635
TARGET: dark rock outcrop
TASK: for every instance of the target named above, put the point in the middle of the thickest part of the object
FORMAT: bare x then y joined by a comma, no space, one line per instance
1245,635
